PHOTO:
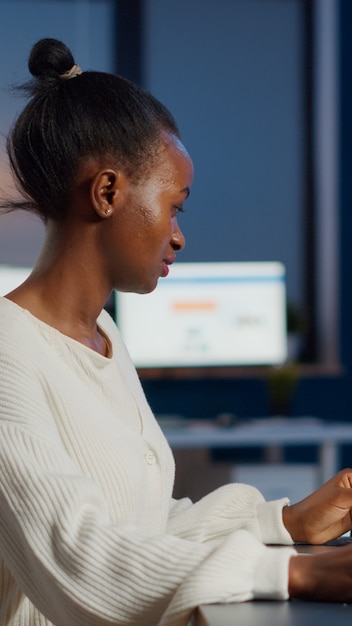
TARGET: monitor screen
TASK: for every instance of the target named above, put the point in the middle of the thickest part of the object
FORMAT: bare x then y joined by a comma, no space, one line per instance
208,314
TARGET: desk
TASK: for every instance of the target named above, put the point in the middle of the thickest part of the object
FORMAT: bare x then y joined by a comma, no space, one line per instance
277,613
269,613
263,433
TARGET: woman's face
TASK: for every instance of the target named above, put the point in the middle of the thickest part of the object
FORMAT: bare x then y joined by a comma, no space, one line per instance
146,232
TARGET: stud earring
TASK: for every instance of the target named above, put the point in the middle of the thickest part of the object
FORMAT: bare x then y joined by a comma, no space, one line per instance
108,211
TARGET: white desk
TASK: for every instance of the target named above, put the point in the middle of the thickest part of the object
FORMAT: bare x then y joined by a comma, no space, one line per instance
264,433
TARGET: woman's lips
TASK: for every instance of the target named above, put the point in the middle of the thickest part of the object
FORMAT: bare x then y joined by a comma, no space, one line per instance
164,269
165,265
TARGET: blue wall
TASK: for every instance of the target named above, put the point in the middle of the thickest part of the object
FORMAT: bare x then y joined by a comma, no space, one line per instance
326,396
231,73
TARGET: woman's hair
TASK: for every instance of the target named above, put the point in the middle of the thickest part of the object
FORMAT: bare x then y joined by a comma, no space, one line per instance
69,119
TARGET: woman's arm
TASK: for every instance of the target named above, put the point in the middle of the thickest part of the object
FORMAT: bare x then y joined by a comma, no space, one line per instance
325,577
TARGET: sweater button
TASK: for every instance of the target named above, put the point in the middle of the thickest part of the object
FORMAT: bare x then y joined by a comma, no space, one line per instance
150,457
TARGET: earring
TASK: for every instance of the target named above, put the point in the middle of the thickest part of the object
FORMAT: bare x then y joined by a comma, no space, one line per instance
107,211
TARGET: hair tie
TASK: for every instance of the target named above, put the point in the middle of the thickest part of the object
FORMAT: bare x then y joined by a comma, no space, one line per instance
72,73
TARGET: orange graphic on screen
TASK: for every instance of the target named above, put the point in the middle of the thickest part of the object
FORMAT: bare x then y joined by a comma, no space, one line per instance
198,305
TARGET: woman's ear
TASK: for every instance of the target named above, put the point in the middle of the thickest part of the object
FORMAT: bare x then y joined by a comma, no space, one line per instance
105,192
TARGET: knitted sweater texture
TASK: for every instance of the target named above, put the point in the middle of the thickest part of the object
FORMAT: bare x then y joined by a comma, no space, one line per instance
89,532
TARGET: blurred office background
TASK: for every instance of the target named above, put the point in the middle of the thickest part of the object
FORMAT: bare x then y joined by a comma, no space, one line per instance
261,90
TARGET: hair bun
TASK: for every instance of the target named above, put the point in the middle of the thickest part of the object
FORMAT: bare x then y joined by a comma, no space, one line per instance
50,58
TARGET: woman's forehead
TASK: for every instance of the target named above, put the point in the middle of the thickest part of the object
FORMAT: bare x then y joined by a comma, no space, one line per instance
175,159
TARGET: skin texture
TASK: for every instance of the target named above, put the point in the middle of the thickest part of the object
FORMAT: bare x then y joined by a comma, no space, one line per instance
325,514
145,224
325,577
118,234
322,516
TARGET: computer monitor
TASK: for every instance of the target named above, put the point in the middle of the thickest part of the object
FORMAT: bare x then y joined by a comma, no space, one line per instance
208,314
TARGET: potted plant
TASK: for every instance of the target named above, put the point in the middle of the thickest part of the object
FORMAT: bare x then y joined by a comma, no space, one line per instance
282,381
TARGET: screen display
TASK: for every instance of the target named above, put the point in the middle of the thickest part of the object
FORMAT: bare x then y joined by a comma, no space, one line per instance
208,314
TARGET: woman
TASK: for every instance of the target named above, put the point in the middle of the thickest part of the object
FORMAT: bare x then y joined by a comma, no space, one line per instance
89,532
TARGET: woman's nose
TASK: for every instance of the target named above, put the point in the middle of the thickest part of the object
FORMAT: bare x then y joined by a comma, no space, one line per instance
178,240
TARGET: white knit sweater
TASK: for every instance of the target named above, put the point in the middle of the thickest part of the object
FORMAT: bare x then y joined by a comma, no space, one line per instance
89,532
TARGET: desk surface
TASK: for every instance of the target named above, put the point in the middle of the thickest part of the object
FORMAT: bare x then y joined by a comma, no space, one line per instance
275,613
269,613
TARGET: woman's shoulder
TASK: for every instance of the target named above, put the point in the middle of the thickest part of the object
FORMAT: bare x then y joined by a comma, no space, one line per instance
11,315
19,340
22,336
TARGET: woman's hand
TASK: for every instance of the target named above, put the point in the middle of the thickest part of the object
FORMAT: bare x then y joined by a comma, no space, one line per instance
324,577
325,514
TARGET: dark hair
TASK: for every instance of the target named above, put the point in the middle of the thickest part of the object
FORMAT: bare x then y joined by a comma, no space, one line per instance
68,120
